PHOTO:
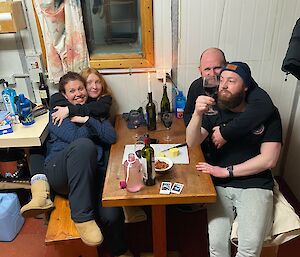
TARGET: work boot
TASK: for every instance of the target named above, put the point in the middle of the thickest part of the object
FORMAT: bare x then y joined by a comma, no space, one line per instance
89,232
40,202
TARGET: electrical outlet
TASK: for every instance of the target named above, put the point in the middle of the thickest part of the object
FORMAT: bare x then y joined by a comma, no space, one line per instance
162,74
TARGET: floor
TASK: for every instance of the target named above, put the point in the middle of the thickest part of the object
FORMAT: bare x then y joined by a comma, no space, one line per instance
30,241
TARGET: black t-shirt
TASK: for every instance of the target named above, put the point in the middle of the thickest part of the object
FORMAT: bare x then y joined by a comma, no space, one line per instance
236,152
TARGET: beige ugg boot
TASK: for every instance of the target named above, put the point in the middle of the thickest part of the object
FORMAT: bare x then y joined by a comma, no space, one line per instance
40,202
134,214
89,232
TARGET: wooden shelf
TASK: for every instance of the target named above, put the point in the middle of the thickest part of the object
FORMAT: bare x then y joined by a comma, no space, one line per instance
12,17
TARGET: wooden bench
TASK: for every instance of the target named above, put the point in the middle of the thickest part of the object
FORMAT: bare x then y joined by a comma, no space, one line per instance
62,235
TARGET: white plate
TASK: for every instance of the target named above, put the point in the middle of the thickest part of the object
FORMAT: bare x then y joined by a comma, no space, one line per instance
164,159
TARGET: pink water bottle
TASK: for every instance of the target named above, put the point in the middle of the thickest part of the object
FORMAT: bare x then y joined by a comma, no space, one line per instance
133,174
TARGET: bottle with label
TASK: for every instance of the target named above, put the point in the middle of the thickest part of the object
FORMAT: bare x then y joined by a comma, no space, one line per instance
180,104
25,111
133,173
8,96
151,113
44,91
165,103
149,163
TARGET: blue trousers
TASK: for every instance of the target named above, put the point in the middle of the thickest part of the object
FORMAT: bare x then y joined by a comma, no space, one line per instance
75,173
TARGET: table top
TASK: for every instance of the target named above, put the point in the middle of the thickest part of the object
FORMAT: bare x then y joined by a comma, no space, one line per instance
27,136
198,187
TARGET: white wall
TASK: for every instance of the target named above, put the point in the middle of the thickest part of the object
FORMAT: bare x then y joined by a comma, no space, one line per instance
253,31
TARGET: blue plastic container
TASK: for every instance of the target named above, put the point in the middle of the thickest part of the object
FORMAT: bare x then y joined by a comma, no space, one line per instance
180,104
25,111
11,220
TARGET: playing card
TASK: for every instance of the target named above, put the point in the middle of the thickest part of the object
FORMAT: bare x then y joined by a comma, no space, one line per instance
176,188
165,188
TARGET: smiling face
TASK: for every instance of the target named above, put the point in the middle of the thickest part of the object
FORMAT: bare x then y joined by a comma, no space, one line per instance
231,91
75,92
93,86
211,62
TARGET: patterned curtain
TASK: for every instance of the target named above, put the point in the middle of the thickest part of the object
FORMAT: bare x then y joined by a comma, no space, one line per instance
62,27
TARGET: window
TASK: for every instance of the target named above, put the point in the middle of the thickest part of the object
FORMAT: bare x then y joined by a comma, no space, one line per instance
119,33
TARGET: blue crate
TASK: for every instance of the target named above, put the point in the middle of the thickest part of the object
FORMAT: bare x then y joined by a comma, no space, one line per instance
11,220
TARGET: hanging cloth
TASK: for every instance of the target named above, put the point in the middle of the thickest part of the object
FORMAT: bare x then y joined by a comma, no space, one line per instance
291,62
63,32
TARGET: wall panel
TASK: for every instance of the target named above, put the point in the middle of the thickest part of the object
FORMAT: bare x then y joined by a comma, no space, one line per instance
253,31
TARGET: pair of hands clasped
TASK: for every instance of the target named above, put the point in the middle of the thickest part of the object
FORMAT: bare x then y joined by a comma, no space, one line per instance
63,112
202,104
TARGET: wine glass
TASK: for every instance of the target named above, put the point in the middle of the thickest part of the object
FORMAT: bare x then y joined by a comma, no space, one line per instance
135,120
210,86
167,119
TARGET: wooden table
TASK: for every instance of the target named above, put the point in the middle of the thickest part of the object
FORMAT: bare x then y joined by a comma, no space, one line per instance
25,137
198,187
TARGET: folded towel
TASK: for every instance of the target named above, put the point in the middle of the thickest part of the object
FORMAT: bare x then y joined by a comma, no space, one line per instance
134,214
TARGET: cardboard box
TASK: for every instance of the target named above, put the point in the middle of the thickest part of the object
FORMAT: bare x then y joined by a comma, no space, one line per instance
11,17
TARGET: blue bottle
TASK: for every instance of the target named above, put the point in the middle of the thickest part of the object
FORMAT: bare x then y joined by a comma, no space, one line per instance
8,96
180,104
24,110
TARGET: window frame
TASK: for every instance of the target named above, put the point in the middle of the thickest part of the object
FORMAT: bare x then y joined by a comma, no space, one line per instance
132,60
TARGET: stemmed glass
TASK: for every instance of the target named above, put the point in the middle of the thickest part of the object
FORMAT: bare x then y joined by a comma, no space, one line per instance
167,119
210,86
135,120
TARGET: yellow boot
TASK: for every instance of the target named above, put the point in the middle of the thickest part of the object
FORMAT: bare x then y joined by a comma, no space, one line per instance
89,232
40,202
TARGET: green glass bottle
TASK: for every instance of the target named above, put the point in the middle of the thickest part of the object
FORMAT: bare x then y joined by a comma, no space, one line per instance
165,103
148,162
151,113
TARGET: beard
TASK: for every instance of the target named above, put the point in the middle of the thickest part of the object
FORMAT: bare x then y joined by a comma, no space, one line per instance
227,100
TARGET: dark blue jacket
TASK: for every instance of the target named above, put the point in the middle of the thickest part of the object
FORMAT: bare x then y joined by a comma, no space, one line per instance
61,136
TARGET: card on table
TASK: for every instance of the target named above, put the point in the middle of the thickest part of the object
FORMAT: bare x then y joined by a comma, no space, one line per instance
176,188
165,188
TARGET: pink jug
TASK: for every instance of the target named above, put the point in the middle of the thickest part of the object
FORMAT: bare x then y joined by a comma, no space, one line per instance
133,174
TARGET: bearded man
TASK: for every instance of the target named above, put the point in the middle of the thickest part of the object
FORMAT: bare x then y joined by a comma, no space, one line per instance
240,169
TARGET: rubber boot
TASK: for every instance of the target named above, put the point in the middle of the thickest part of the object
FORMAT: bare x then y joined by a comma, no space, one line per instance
89,232
40,202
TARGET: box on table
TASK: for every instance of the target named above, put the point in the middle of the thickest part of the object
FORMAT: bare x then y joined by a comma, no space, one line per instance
11,220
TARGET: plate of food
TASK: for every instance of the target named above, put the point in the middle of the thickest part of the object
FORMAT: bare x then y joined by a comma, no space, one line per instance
163,164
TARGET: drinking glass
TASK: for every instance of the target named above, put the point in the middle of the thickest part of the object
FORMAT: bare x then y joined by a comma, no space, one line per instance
210,86
167,119
135,120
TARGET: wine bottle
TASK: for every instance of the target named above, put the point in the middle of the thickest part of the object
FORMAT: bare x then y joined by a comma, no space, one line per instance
151,113
149,162
165,103
44,91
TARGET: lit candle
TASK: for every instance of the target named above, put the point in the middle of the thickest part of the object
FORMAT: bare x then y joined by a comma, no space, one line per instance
164,77
149,84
